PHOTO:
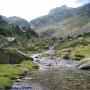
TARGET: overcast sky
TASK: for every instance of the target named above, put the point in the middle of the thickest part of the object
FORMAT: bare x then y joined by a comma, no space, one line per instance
30,9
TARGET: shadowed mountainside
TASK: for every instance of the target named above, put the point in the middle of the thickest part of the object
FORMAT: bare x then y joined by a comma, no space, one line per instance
16,26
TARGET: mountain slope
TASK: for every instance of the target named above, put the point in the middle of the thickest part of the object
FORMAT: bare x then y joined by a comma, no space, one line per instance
55,15
5,28
73,26
64,21
14,29
17,21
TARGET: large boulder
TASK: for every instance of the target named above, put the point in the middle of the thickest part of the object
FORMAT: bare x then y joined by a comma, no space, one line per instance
84,64
12,56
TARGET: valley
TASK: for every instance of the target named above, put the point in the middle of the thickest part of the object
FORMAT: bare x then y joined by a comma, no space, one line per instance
51,52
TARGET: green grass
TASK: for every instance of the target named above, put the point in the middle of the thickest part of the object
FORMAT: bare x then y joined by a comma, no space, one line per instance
82,51
77,52
76,48
30,46
5,81
29,65
7,71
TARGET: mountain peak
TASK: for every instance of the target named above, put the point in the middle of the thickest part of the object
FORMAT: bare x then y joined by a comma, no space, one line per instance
63,6
58,9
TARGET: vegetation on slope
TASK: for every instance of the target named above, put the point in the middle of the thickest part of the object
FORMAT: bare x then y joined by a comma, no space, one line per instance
16,62
69,27
9,58
14,30
11,38
75,48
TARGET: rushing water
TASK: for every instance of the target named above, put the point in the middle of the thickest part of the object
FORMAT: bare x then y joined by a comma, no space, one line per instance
55,74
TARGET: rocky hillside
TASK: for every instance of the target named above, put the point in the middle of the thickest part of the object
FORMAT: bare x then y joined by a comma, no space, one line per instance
64,21
11,36
5,28
55,15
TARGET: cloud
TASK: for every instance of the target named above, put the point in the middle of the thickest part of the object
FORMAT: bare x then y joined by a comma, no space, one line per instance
30,9
82,2
75,3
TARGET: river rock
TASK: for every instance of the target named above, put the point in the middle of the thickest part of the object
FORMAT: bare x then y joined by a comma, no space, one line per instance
84,64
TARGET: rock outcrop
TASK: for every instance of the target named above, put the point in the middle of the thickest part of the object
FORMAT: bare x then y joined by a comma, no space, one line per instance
12,56
84,64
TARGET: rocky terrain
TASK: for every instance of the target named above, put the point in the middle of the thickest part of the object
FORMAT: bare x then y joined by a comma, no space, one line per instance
54,71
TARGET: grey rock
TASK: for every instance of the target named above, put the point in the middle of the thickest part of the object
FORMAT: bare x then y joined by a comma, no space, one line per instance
85,65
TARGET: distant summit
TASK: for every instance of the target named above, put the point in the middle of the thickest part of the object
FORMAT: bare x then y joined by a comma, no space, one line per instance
64,21
61,13
59,10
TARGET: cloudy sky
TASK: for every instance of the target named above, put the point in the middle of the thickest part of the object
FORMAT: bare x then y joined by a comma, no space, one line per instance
30,9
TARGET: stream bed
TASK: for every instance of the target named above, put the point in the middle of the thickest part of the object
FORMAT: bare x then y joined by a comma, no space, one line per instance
55,74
